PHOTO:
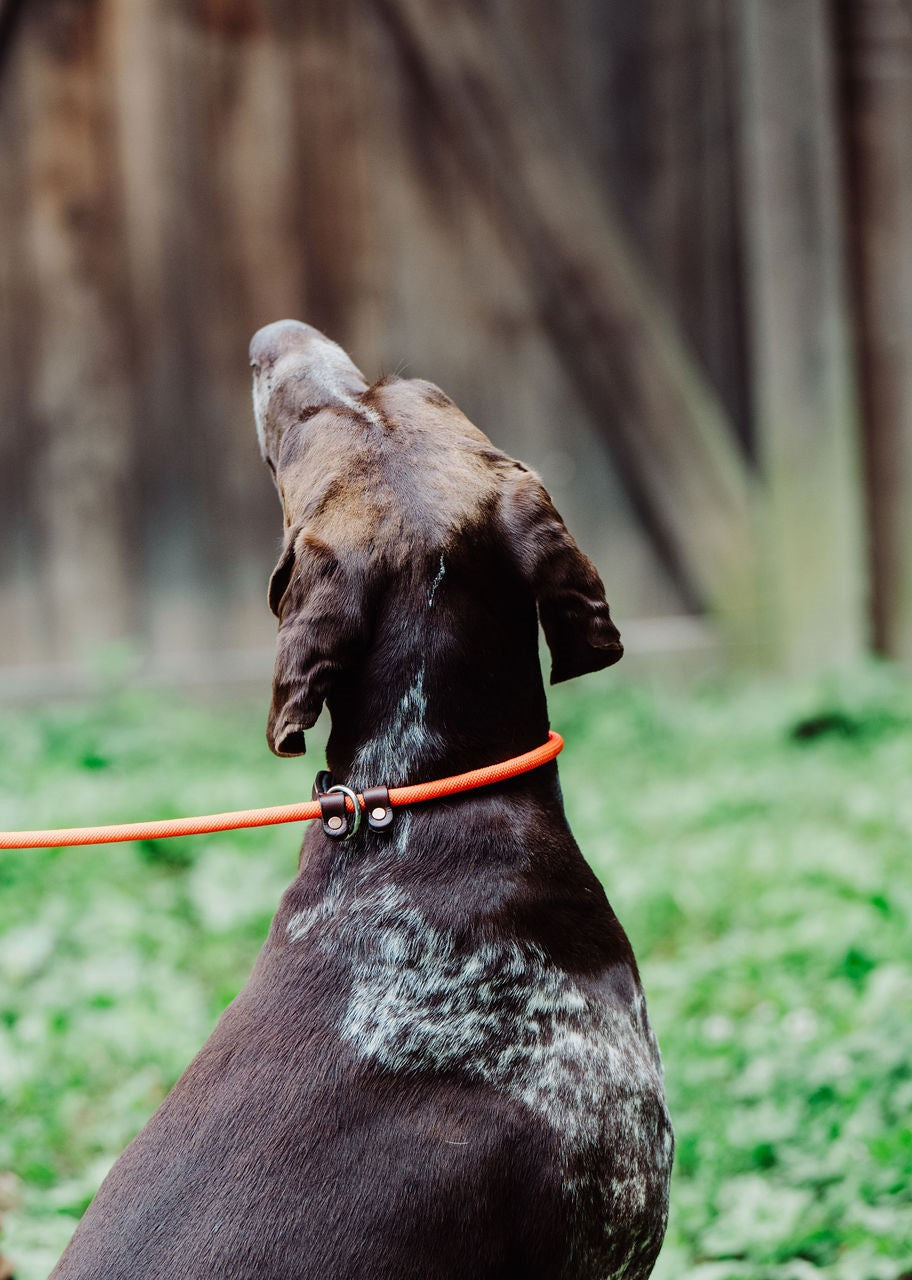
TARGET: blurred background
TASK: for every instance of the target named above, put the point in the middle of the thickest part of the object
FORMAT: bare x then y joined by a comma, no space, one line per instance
662,251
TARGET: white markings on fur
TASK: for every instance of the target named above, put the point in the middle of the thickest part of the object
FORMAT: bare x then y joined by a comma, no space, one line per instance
436,583
323,368
404,740
321,374
262,388
504,1014
403,825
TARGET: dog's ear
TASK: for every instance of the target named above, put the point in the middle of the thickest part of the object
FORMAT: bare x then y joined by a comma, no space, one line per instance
571,598
314,594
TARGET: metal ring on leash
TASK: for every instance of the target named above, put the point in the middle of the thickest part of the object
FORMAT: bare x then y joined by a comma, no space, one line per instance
355,818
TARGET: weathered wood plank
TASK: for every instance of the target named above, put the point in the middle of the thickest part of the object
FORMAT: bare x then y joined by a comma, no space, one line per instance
877,50
80,405
664,422
16,352
806,417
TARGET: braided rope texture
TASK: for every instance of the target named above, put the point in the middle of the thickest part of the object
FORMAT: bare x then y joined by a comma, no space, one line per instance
305,812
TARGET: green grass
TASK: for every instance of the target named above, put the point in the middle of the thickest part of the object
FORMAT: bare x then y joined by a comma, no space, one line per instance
754,840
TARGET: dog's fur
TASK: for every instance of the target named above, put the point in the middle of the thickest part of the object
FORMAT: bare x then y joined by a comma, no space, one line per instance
441,1065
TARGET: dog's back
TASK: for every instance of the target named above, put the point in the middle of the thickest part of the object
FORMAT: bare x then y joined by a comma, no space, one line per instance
392,1097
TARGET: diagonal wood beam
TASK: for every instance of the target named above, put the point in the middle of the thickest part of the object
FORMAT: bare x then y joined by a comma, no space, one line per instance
665,425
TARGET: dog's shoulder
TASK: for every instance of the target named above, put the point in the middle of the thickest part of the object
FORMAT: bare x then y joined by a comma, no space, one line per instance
576,1049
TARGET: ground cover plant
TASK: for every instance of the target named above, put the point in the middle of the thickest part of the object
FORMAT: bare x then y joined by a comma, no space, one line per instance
754,840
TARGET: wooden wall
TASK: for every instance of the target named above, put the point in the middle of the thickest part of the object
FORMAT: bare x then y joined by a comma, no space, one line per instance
597,226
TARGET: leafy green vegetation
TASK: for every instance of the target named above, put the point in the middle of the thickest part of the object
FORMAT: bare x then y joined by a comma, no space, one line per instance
754,840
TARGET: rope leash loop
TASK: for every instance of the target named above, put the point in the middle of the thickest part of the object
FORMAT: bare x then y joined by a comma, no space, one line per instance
164,829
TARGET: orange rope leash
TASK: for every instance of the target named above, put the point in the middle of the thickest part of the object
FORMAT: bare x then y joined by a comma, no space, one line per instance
398,796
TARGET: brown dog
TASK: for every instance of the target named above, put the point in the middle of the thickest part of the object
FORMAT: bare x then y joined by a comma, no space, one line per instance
441,1065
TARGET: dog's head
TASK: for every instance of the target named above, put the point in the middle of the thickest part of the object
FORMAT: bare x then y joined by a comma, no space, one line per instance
374,480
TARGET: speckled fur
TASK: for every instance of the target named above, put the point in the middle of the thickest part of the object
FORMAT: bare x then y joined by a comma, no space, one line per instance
441,1066
570,1051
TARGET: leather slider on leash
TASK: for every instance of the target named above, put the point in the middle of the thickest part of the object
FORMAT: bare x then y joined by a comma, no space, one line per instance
333,809
378,808
339,819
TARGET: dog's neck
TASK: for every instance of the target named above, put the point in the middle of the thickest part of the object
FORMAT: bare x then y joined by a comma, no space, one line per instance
424,726
464,689
505,851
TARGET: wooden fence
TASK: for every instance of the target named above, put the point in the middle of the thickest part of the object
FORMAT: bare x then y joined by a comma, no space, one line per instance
661,250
